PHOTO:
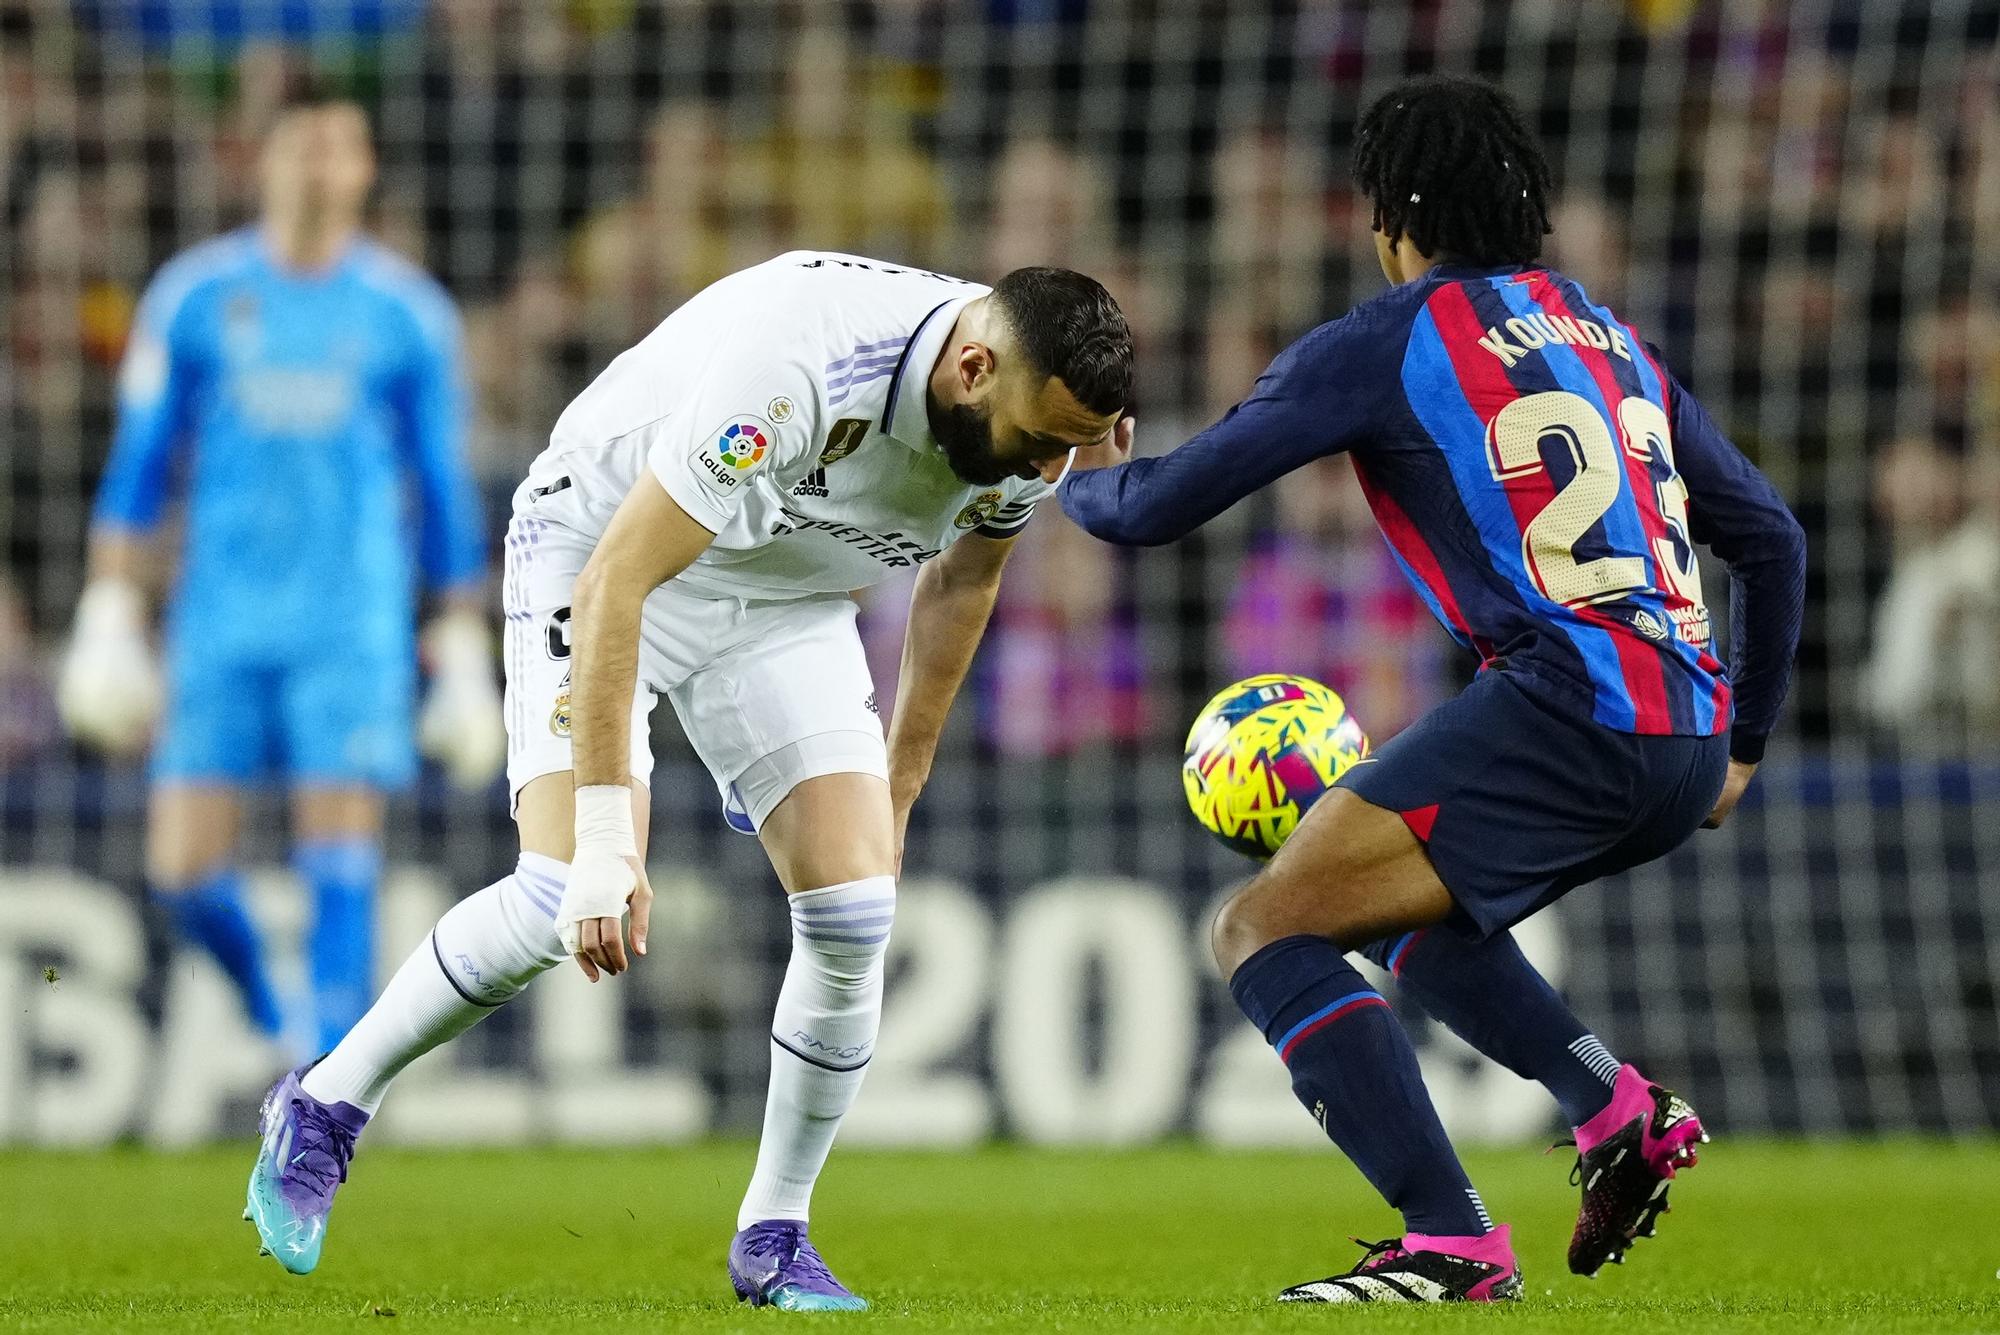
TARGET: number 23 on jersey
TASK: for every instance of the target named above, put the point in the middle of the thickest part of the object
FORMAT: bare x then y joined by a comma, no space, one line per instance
1514,444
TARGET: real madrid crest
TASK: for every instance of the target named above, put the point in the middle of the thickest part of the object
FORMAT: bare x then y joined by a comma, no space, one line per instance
983,507
779,410
559,719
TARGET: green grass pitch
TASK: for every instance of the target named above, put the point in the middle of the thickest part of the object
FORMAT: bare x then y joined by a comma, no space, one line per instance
1896,1237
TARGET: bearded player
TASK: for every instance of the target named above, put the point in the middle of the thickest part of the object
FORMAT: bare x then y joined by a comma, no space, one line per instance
801,429
1541,477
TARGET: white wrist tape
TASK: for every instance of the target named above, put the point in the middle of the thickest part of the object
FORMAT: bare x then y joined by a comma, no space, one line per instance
601,881
604,820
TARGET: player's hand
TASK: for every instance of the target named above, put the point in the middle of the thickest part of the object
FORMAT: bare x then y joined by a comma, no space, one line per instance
1732,792
108,688
591,919
1113,447
462,726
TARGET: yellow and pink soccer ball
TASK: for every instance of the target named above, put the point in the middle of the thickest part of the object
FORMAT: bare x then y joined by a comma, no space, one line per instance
1261,753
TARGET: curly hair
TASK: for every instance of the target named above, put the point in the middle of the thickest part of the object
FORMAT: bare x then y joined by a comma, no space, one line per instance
1450,164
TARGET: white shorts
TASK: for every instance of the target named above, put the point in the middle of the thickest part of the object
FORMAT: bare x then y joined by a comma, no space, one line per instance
770,693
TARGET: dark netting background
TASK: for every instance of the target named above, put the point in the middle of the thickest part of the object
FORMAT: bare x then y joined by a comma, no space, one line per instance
1800,202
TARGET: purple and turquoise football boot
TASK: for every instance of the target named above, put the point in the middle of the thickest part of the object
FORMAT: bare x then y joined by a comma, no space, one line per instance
773,1264
302,1162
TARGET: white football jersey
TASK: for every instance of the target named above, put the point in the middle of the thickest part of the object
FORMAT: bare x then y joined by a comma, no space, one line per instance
784,408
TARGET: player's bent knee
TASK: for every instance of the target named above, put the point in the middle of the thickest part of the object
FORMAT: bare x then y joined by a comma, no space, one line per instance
1352,872
830,830
1231,937
1244,926
1247,922
1334,903
801,870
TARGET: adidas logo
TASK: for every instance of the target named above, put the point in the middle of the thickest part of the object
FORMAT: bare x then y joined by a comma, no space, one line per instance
813,484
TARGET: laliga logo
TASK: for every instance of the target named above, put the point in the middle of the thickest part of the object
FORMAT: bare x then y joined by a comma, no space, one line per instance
742,445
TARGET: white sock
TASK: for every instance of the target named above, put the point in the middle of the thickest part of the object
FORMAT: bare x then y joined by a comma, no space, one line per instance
821,1038
481,955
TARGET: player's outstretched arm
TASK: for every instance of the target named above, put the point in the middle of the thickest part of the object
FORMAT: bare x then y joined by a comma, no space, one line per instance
1308,403
649,541
949,610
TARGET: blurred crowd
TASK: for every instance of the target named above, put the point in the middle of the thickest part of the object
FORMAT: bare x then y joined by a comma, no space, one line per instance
1805,213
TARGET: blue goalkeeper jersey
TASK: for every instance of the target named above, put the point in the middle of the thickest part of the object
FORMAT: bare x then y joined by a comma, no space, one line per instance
316,423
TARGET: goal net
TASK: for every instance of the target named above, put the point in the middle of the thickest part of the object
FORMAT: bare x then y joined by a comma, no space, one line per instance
1799,202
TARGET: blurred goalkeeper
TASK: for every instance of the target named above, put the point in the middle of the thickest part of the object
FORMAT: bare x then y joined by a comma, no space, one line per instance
1542,479
304,387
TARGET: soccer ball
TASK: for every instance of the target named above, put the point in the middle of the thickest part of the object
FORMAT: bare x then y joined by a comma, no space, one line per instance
1262,752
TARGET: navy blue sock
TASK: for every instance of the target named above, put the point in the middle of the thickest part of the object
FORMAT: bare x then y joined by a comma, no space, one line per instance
1488,994
211,914
1353,1068
341,875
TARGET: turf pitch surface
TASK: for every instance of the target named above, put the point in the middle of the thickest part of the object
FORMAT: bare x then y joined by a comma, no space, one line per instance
1768,1237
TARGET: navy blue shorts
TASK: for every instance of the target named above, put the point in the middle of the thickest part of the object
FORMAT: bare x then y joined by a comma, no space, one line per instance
1518,800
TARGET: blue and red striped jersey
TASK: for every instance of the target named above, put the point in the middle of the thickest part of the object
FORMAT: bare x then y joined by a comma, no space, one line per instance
1543,481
